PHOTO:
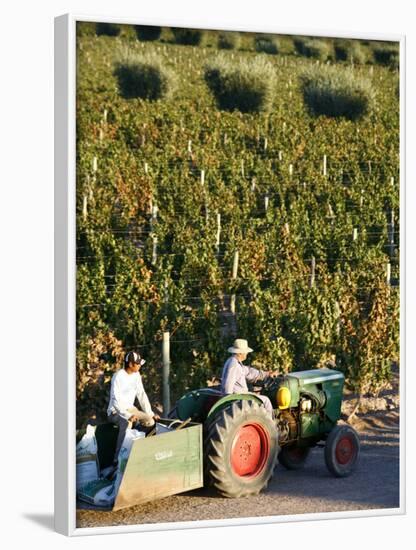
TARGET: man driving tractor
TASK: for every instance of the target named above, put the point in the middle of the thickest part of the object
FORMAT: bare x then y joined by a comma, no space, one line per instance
235,375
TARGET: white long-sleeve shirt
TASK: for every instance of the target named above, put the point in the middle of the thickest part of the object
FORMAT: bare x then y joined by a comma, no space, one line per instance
124,390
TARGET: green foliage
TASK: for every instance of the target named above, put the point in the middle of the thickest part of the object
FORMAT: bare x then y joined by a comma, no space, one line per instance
349,50
341,49
85,28
247,86
147,33
334,92
143,77
107,29
152,153
299,43
266,44
187,37
357,53
315,48
387,55
228,40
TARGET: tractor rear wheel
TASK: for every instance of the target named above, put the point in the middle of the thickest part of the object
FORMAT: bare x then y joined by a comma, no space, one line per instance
293,458
341,450
240,449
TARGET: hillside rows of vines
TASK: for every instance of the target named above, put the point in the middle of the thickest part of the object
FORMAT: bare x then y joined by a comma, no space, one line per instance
155,178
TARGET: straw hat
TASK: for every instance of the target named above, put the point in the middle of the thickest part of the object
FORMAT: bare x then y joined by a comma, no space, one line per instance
240,346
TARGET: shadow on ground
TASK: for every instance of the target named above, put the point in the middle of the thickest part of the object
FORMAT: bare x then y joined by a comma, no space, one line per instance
44,520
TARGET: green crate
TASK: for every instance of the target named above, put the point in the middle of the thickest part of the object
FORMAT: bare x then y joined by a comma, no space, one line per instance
158,466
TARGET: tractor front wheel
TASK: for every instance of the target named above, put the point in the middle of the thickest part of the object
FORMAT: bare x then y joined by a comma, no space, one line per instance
293,458
240,449
341,450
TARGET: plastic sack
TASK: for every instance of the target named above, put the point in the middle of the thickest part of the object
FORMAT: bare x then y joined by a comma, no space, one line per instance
87,459
161,428
123,455
99,492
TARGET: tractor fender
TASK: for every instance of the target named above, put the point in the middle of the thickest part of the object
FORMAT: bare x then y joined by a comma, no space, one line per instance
229,398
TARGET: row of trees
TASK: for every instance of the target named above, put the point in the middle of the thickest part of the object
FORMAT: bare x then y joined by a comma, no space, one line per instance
342,50
250,85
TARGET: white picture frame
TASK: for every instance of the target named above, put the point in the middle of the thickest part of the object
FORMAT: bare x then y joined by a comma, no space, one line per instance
65,275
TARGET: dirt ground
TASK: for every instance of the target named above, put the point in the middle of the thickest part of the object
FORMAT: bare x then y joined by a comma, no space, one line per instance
373,485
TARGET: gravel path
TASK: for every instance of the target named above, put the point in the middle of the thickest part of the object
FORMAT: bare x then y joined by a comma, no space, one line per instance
373,485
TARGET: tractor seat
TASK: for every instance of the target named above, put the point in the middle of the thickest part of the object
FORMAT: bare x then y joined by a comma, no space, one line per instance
216,390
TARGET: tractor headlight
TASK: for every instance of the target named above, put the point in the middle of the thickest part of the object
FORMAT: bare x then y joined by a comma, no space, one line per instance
283,397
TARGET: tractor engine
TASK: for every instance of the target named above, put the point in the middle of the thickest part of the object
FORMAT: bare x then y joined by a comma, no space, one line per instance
307,403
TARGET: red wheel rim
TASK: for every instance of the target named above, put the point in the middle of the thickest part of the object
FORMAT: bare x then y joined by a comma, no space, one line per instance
345,450
249,450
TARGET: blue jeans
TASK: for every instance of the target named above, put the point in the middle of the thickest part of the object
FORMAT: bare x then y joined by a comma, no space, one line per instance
143,418
267,404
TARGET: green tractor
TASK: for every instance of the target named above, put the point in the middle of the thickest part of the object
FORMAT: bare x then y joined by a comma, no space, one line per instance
242,442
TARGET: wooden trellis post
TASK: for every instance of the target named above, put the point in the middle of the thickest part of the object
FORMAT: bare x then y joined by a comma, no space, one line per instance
391,233
166,372
94,164
218,234
388,273
84,207
153,219
324,166
331,214
154,251
354,234
166,292
205,195
338,317
312,278
234,276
